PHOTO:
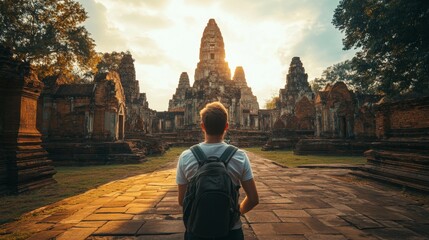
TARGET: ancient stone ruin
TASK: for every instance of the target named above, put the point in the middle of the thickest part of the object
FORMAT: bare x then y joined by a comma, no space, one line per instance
24,164
212,54
296,111
400,155
139,115
180,124
93,111
344,122
212,83
248,101
109,120
85,123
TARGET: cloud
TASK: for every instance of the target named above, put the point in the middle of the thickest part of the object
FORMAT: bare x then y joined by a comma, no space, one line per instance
272,10
135,20
130,4
100,29
318,44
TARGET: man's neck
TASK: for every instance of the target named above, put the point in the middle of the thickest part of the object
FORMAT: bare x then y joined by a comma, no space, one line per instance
213,139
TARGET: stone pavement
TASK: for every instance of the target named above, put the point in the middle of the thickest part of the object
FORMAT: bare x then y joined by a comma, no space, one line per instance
294,204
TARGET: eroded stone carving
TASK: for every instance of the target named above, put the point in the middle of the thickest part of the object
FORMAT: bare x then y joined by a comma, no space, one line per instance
24,164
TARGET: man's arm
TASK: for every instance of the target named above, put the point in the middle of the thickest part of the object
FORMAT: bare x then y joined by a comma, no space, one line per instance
251,199
182,191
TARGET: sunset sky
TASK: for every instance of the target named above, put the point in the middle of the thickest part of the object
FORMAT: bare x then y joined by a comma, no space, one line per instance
262,36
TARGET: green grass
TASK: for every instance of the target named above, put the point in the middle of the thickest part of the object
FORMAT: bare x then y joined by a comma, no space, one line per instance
76,180
289,159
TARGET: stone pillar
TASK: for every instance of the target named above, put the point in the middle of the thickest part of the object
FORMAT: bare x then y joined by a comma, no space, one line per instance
23,162
382,122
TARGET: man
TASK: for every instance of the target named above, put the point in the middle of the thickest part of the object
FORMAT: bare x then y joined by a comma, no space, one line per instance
214,124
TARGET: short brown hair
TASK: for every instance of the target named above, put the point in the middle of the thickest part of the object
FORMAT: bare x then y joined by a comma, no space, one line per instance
214,116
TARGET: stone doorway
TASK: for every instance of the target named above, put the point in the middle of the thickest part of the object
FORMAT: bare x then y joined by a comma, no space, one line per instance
121,127
343,127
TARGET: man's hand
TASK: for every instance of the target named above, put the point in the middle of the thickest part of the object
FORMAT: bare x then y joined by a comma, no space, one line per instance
182,192
251,199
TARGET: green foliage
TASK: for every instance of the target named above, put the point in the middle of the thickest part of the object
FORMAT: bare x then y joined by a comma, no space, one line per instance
344,72
393,39
110,61
48,34
272,103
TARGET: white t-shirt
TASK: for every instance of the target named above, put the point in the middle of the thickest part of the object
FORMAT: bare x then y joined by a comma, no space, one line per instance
238,167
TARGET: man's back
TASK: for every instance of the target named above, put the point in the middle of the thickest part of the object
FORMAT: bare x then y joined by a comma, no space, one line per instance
214,124
238,168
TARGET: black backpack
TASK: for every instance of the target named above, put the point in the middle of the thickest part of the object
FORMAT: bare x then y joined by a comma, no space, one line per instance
210,206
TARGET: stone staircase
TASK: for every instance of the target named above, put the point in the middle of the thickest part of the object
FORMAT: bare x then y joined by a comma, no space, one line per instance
400,162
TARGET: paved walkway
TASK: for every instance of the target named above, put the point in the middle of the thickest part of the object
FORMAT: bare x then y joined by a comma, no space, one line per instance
294,204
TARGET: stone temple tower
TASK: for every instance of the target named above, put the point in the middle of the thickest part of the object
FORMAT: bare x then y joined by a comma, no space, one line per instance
297,87
248,100
212,54
178,100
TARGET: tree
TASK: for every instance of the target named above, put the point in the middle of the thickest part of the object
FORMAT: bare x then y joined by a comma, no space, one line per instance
272,103
110,61
393,43
344,72
49,35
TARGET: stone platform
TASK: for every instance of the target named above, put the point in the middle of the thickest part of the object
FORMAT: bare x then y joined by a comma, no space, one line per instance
294,204
93,153
331,147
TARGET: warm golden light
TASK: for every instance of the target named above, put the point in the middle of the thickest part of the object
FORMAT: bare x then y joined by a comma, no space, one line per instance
164,38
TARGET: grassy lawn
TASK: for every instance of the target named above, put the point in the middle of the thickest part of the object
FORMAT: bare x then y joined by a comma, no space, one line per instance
287,158
76,180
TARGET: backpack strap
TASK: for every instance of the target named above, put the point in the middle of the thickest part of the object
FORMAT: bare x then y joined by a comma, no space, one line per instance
198,154
227,154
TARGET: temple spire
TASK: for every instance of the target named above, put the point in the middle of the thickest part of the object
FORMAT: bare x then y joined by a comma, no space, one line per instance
239,75
212,54
184,80
296,77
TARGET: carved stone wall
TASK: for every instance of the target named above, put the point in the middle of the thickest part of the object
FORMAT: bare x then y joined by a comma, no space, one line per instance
81,112
23,162
335,112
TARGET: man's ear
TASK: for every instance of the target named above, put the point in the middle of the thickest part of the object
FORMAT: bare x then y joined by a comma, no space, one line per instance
203,127
226,127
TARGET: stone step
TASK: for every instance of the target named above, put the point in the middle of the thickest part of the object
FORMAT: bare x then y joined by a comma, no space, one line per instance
330,146
408,158
406,166
401,145
405,176
392,180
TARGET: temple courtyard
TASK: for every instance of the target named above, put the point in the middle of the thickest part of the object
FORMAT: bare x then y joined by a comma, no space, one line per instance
295,203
